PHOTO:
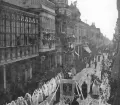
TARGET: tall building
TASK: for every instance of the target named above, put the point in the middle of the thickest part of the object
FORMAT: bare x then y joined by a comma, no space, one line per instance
46,11
19,43
27,42
65,31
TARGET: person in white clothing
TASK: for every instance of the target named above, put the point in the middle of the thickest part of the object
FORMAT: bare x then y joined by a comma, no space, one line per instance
28,98
52,82
13,103
49,88
45,89
40,97
35,97
95,90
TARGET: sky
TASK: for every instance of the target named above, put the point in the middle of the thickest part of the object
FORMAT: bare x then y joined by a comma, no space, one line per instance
102,12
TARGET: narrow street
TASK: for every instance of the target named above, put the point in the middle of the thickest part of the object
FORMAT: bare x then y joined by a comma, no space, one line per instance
50,55
85,75
80,78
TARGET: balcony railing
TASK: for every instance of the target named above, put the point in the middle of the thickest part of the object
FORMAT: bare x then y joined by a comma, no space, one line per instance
47,45
64,11
47,48
12,54
19,34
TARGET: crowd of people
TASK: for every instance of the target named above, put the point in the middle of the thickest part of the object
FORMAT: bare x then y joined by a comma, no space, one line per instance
40,94
99,88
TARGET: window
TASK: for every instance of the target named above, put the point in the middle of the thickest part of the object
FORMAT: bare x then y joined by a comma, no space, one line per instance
79,38
13,52
8,39
22,39
2,54
18,52
22,25
18,28
82,32
2,30
13,40
13,37
26,26
62,27
8,52
2,40
13,26
2,24
15,30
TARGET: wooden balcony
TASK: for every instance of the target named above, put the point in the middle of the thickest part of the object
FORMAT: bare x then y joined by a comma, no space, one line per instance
14,54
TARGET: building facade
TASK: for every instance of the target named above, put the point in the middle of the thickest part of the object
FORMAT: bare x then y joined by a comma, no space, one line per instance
47,52
27,44
36,38
19,43
65,32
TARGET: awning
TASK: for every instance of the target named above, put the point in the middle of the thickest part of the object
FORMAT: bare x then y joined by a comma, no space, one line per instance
87,49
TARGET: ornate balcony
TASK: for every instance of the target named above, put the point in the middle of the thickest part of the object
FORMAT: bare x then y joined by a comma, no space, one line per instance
13,54
61,3
47,42
47,45
19,34
64,11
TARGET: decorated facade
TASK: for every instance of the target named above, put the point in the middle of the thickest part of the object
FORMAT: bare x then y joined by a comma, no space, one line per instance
27,45
36,38
65,32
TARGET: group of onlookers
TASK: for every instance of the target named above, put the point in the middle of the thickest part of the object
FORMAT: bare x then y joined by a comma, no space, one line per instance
40,94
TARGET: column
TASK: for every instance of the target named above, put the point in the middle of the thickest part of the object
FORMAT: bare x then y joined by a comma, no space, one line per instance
50,61
56,60
4,75
81,52
78,51
31,69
